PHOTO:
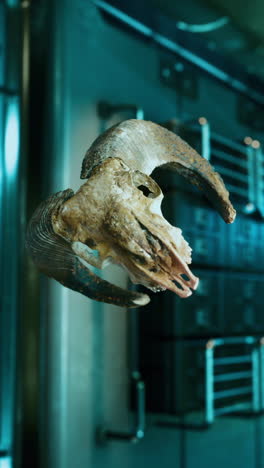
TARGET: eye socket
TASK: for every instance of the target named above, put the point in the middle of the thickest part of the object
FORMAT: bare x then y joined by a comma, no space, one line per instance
145,184
145,190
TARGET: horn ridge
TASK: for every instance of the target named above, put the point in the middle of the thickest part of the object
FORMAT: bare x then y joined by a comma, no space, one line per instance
54,256
49,251
144,145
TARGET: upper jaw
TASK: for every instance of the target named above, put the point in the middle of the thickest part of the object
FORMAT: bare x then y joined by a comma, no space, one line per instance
158,264
134,235
171,254
161,278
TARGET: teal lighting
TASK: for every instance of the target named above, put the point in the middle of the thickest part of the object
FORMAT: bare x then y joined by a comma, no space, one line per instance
12,137
5,462
12,4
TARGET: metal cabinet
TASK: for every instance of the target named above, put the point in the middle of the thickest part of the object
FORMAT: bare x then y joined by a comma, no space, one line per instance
204,379
200,315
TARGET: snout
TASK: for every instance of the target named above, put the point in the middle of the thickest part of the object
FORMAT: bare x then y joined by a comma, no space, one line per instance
153,252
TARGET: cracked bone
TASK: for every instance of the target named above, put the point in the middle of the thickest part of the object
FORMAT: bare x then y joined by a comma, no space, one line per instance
116,216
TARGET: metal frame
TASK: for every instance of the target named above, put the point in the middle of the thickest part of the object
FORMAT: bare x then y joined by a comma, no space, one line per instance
105,110
253,193
211,363
259,177
136,434
261,373
253,164
254,177
254,408
152,26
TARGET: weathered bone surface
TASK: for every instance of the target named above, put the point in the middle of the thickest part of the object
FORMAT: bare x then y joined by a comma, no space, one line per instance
112,215
115,216
145,145
54,256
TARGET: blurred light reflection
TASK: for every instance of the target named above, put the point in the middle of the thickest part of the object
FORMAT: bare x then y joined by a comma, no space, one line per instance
6,462
12,137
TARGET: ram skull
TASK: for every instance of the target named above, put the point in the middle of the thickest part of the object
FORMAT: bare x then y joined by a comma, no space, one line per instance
116,216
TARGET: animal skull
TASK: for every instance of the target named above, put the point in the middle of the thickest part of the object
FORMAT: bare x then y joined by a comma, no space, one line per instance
111,214
116,216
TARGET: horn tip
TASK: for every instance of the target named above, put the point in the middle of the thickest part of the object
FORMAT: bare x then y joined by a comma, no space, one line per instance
231,216
142,300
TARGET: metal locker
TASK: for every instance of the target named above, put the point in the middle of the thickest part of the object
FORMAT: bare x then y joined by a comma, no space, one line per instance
198,315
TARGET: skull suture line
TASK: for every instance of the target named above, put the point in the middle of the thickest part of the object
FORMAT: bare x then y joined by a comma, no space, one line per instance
115,216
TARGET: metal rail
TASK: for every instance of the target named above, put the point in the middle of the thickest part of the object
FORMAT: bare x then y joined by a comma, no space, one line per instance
232,360
106,110
237,190
228,158
253,357
259,173
248,160
234,175
213,395
232,409
232,392
228,142
232,376
142,21
136,434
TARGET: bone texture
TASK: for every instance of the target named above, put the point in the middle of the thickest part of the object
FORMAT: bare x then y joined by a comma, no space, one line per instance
145,145
53,256
111,214
116,216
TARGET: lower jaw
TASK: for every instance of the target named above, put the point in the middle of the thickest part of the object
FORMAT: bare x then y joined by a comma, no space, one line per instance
145,278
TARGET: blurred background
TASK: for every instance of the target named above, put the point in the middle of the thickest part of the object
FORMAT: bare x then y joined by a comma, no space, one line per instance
178,383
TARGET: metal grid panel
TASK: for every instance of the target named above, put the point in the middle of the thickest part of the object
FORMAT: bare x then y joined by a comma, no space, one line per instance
238,246
240,165
204,379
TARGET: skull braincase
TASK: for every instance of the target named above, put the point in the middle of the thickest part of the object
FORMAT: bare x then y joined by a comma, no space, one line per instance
116,216
117,212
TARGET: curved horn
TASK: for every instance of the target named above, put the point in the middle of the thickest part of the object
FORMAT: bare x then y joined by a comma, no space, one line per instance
54,257
145,145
